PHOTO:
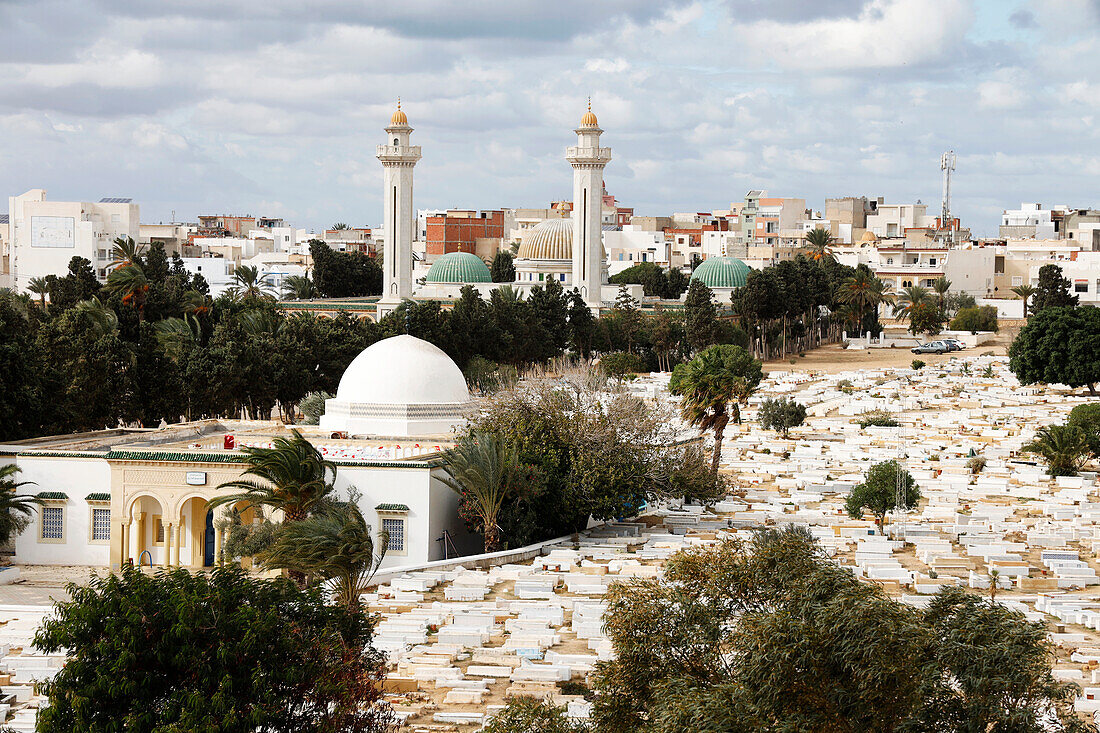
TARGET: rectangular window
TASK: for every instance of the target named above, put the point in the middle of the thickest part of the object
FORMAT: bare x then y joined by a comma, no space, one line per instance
1017,281
1081,286
53,523
396,529
101,525
158,530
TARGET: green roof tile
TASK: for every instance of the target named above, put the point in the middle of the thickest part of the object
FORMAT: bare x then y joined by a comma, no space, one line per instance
98,496
53,495
458,267
721,272
392,508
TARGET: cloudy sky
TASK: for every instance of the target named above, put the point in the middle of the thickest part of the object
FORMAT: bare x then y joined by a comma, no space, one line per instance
274,107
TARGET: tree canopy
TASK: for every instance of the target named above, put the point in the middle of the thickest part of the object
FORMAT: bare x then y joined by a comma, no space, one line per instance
1058,346
769,635
214,651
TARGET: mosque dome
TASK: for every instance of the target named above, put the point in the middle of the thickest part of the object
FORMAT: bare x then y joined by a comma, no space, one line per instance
458,267
589,119
868,237
398,117
721,272
400,386
551,239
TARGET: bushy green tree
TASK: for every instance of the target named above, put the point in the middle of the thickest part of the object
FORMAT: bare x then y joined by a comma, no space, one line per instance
1058,346
781,415
1052,290
344,274
212,651
878,493
503,269
1087,418
982,318
700,316
522,714
770,635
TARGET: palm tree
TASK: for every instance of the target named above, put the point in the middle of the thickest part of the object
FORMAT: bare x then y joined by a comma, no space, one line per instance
818,242
1025,292
247,283
941,285
299,287
863,291
15,509
483,469
130,281
195,303
176,335
335,546
1065,448
340,226
126,252
39,287
103,319
292,477
908,300
711,386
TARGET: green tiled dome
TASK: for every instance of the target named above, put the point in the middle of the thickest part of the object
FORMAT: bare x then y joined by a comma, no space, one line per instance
721,272
458,267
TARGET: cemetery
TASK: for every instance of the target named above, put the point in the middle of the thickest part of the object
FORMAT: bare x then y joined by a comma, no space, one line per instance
461,638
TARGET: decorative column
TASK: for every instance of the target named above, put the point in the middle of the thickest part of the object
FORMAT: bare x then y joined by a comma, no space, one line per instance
168,544
175,545
398,158
140,548
588,160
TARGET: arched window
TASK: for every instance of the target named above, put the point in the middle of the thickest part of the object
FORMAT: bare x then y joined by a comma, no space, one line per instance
396,142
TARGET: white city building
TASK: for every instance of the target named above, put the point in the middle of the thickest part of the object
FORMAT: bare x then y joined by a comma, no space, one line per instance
45,235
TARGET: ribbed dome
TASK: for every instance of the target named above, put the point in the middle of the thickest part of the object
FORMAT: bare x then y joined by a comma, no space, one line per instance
458,267
548,240
869,237
589,120
398,117
721,272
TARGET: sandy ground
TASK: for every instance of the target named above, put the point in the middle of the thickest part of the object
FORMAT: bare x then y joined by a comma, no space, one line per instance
833,358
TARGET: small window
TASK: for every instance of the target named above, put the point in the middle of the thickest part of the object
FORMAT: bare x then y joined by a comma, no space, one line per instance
889,260
395,142
396,530
101,525
116,218
1017,281
931,261
1081,286
53,523
158,530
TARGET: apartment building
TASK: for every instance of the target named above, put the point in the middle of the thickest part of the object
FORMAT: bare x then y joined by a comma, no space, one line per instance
44,235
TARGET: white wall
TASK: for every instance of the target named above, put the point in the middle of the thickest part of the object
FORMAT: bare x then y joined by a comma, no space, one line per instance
45,235
76,477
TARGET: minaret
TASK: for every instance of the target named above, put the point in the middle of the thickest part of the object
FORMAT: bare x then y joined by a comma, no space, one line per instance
588,160
399,222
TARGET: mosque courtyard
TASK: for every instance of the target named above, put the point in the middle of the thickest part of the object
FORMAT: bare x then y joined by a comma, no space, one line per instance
461,636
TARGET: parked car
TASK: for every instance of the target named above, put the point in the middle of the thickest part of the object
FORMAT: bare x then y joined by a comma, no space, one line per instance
954,344
932,347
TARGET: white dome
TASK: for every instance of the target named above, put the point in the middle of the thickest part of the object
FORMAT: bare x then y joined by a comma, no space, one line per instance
399,386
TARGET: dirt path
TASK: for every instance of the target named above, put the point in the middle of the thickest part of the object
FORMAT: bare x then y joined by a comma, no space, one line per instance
833,358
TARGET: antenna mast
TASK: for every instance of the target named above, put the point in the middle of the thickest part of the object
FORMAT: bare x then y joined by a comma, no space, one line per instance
947,165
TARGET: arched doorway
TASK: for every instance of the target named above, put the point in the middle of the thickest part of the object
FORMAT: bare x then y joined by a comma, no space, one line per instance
208,541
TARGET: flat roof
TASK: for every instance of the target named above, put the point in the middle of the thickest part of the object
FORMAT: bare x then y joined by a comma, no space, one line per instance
204,441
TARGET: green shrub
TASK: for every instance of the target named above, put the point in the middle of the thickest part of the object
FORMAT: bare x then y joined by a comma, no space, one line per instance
845,386
1087,418
618,364
782,414
917,364
878,419
976,464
